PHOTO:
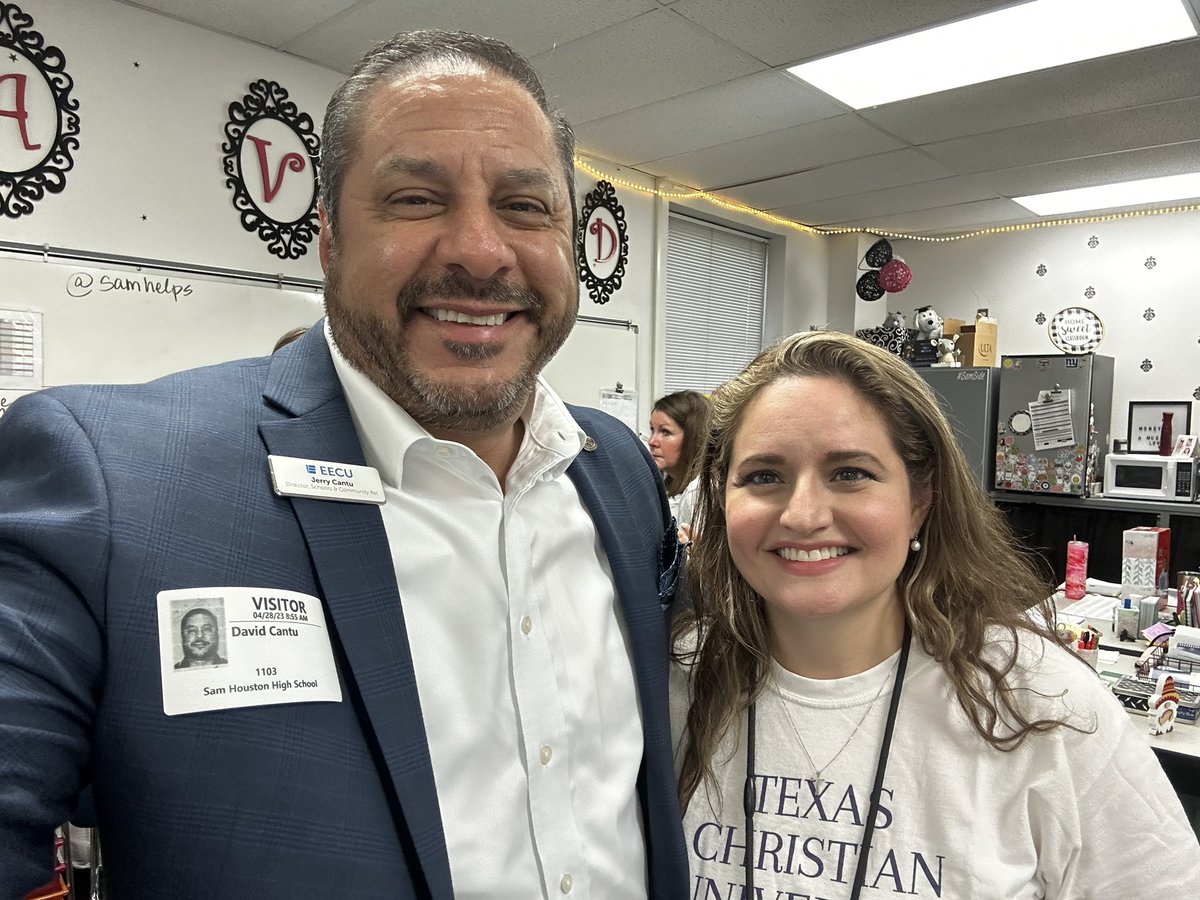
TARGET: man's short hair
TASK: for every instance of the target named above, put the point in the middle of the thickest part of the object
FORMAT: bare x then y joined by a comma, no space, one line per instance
407,52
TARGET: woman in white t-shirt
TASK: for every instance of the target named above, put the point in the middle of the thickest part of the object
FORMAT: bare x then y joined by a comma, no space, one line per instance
677,427
869,693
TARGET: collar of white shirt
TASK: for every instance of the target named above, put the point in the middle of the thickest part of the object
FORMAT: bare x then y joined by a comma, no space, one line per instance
387,431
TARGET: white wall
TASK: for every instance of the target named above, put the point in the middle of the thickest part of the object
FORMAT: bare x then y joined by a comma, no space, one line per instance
1152,329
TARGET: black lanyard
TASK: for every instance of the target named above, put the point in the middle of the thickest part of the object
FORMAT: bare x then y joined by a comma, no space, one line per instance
750,796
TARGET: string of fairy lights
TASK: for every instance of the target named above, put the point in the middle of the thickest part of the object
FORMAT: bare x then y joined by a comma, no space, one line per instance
733,206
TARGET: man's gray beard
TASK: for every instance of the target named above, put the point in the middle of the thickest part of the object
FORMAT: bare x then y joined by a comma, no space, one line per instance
378,350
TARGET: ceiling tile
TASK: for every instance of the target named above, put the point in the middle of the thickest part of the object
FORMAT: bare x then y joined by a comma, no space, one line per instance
638,62
780,153
840,179
1127,80
530,26
1078,136
783,32
1106,169
890,201
757,104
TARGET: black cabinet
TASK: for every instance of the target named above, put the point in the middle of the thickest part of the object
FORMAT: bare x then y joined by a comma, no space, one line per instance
1045,522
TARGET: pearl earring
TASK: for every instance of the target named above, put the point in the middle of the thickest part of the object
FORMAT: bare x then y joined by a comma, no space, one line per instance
914,545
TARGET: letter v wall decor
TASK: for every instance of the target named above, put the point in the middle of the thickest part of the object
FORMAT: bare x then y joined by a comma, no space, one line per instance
271,157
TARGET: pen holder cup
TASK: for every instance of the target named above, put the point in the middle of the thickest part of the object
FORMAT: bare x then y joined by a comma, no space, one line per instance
1091,657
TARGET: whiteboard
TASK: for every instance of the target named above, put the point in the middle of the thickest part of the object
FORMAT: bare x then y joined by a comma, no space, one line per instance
121,325
596,357
112,325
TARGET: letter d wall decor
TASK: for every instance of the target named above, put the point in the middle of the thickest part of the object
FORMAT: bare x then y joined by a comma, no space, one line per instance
39,121
601,246
271,156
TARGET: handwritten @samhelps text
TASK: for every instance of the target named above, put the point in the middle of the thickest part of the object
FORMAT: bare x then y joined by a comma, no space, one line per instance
83,284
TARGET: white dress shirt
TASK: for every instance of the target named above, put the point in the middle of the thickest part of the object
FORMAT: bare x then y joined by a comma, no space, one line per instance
683,504
522,662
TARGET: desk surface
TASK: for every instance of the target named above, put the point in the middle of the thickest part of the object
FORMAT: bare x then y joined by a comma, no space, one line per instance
1185,738
1095,611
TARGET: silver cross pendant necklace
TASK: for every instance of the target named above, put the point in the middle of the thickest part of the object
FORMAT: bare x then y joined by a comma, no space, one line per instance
818,783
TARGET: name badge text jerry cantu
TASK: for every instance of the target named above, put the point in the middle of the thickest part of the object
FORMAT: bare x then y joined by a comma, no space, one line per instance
292,476
229,647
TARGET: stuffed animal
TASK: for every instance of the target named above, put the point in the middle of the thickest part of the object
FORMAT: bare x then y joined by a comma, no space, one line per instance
929,324
895,320
947,350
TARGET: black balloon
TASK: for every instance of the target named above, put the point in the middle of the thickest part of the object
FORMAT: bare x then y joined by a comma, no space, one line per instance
879,255
868,286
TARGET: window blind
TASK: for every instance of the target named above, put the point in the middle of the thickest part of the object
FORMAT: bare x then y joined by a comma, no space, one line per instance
716,291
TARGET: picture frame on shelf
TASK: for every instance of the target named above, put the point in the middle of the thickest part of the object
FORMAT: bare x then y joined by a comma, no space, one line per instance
1185,446
1146,419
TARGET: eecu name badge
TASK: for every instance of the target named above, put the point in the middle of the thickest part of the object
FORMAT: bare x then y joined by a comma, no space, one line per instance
230,647
292,476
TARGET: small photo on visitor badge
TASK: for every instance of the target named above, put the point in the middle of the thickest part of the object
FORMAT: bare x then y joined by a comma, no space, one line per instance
230,647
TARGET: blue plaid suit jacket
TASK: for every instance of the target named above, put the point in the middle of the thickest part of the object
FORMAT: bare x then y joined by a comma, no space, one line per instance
111,494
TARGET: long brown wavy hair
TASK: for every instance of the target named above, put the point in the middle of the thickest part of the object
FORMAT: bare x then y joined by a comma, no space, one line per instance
689,410
970,574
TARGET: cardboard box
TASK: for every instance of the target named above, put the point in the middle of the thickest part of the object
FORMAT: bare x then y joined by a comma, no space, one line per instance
978,344
1146,560
951,327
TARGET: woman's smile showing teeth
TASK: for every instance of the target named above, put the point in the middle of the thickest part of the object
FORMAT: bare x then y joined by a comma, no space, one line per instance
795,554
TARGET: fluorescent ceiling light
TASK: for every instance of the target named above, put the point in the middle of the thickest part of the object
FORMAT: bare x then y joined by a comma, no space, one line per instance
1024,38
1109,196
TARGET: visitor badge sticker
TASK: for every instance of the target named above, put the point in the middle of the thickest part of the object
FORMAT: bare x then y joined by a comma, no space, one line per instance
293,476
228,647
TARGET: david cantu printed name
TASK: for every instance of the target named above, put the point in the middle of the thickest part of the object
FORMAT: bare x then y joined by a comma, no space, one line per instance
264,631
276,608
282,685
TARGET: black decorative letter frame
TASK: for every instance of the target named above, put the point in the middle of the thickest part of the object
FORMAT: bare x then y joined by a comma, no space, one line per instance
602,245
264,133
40,129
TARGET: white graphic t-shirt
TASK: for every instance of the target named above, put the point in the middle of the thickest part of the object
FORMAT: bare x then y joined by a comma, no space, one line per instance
1066,815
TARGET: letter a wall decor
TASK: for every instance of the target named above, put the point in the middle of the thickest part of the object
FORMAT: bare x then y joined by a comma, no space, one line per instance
39,121
602,245
271,157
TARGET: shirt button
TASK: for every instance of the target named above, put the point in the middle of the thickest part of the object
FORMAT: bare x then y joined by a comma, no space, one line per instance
566,884
545,755
526,625
445,452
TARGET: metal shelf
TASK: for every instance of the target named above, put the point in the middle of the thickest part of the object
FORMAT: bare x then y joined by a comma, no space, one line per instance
1160,508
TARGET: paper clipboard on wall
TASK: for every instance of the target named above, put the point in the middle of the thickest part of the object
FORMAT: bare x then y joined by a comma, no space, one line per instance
621,404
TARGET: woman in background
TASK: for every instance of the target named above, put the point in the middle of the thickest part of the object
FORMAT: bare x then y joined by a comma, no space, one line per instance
869,689
677,427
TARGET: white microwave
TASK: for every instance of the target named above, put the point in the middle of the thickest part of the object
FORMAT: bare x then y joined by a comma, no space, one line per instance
1145,476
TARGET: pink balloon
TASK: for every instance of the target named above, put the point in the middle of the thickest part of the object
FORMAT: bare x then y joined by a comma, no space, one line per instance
895,276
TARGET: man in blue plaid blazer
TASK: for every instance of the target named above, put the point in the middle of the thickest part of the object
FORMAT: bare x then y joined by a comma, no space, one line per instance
447,206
